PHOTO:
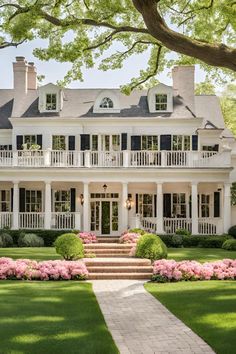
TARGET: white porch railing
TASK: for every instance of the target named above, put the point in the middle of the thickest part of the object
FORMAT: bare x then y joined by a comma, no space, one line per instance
172,224
65,221
132,159
149,225
106,158
5,220
208,226
31,220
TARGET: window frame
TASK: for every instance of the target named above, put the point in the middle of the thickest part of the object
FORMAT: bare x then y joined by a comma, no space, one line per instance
181,140
160,103
205,205
31,142
108,100
5,201
47,109
62,205
150,142
178,204
35,203
142,205
60,136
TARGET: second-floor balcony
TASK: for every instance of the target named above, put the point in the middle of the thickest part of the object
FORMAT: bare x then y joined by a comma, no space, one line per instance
115,159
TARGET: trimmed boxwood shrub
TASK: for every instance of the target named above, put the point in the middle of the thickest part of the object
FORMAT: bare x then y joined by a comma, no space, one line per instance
151,246
232,231
177,240
49,236
167,239
229,245
137,231
69,246
30,240
6,240
182,232
205,241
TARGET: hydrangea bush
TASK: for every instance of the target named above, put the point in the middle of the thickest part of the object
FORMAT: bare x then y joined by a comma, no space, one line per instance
26,269
87,237
170,270
129,237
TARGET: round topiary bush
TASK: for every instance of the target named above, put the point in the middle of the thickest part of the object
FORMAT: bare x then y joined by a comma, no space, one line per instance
177,240
151,246
69,246
183,232
232,231
6,240
30,240
229,245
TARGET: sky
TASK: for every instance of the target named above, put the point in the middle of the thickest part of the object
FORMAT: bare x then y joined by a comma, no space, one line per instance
93,78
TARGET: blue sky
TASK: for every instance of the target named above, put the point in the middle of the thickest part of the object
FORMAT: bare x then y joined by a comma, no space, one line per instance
93,78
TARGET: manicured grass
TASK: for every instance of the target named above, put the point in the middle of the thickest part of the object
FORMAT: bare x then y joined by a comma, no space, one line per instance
207,307
51,318
200,254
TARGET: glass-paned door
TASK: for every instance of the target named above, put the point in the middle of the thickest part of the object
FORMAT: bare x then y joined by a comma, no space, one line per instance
110,142
106,227
104,217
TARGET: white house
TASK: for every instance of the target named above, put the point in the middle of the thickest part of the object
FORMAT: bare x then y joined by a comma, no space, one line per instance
160,158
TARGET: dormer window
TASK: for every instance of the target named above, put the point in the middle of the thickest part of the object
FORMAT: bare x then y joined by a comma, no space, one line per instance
106,103
161,102
51,101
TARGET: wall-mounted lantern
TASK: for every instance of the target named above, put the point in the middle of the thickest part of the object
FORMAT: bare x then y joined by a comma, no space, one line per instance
129,202
81,199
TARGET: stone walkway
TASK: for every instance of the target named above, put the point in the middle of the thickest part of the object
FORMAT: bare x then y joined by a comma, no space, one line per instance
140,324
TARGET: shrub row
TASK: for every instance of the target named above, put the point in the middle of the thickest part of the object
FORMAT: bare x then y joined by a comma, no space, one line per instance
204,241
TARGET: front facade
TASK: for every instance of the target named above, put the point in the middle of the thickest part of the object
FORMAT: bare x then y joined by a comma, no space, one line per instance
97,160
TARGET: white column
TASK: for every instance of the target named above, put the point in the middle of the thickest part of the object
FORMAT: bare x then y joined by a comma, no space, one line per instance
125,215
15,220
227,207
194,208
159,206
48,206
86,208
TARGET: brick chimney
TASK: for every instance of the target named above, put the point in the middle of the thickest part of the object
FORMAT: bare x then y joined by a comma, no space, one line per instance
32,76
183,84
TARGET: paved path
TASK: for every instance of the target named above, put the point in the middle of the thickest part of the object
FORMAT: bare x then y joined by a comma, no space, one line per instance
141,324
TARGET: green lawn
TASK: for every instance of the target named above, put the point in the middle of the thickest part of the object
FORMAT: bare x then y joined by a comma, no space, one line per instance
51,318
208,307
199,254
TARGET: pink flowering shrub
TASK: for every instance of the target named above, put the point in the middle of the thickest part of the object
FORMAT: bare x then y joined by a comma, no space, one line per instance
129,237
87,237
170,270
26,269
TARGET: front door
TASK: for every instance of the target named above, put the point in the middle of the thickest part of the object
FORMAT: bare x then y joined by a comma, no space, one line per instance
106,220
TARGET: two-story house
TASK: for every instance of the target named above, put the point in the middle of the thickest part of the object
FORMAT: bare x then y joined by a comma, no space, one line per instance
96,159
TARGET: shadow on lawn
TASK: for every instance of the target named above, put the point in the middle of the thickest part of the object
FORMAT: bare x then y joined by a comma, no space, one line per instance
51,318
209,308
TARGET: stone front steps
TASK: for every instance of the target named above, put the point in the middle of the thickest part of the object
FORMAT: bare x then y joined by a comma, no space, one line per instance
108,249
109,239
119,268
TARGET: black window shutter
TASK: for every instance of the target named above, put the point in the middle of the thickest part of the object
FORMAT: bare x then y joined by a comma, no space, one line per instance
155,205
124,141
11,199
22,200
167,205
72,199
136,203
136,142
194,142
165,142
71,141
216,204
19,142
216,147
40,141
84,142
10,147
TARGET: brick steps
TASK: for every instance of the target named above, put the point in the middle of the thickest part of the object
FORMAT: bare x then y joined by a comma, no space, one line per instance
108,249
110,239
116,262
120,269
140,276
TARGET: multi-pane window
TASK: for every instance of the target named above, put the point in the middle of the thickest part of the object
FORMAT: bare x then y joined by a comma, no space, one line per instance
115,143
181,142
146,205
29,140
59,142
149,142
106,103
161,102
5,147
205,205
94,142
179,205
115,212
51,101
33,201
110,142
61,201
5,200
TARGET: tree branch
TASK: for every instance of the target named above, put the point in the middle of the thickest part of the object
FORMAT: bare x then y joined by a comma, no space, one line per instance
11,44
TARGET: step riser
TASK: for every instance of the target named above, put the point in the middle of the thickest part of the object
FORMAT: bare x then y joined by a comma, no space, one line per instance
111,270
120,252
99,246
114,263
119,276
105,255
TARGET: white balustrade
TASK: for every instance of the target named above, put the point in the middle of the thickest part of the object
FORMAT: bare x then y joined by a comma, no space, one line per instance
5,220
106,159
145,158
64,221
172,224
208,226
65,158
31,220
149,225
30,158
6,157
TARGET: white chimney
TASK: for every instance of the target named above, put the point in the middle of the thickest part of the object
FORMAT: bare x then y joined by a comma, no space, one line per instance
32,76
20,69
183,83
